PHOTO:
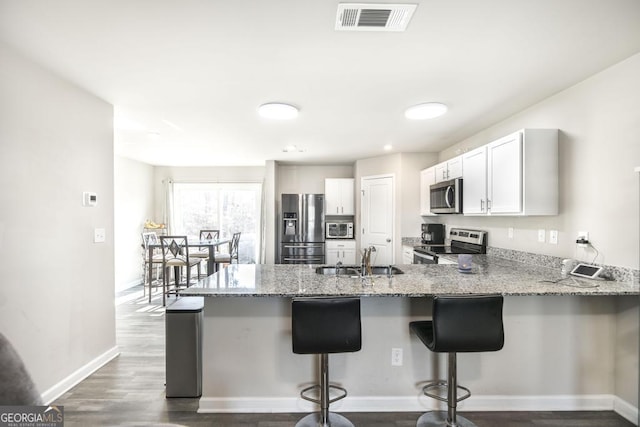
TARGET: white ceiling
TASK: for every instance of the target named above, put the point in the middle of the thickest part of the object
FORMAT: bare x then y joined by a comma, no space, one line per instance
186,76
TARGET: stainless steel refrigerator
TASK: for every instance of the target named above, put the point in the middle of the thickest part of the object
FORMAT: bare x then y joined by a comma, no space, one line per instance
301,229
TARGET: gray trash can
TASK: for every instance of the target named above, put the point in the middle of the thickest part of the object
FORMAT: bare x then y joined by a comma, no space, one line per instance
183,331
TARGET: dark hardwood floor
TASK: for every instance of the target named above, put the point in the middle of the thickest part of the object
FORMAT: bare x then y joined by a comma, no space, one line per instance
129,391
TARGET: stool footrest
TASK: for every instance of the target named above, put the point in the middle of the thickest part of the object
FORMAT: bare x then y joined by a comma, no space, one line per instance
442,385
342,395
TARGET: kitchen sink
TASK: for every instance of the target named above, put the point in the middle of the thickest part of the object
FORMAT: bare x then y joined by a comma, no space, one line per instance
376,270
340,271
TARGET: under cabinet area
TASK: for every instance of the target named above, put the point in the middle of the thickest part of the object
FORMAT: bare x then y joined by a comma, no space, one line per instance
339,196
339,250
514,175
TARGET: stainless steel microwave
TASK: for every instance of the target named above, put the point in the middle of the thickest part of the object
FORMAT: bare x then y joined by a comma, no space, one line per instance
339,230
446,197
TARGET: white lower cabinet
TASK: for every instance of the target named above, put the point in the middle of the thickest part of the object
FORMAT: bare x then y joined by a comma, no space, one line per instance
407,254
514,175
339,250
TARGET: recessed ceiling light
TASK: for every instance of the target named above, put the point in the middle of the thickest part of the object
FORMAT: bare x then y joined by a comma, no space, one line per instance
278,111
388,147
428,110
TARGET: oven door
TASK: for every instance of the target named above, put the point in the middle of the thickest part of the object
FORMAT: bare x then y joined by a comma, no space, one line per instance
424,258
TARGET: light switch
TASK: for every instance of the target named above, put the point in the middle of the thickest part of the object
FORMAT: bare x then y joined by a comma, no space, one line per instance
553,237
99,235
541,235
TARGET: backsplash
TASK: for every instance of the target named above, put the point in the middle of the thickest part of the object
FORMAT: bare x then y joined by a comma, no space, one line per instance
620,274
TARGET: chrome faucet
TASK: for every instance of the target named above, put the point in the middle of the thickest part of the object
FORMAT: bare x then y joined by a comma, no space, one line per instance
338,265
365,262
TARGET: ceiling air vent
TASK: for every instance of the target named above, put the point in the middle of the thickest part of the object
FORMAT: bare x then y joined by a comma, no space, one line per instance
373,17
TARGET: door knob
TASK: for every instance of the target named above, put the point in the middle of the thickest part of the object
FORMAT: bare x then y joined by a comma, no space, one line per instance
388,240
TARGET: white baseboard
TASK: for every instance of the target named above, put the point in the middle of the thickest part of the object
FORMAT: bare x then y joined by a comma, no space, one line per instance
626,410
599,402
76,377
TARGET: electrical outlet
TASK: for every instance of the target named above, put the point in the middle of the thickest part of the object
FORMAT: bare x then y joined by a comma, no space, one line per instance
510,232
553,237
541,234
396,357
99,235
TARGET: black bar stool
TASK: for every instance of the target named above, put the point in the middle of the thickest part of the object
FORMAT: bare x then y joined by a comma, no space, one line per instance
460,324
322,326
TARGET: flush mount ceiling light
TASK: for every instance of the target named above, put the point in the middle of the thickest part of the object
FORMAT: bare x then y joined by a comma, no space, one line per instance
293,149
278,111
428,110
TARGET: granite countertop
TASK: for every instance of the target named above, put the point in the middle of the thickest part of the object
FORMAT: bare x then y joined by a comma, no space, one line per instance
489,275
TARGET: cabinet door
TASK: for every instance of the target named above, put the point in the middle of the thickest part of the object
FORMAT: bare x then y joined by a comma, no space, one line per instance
505,175
332,197
349,256
454,168
441,172
332,256
347,189
427,178
407,255
474,183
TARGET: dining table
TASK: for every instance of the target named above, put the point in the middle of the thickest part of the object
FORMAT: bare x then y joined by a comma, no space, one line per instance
210,244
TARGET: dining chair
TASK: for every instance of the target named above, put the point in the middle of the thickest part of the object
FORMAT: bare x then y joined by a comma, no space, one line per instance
175,253
150,238
203,253
228,257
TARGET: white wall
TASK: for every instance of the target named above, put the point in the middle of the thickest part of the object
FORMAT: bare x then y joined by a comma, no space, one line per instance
405,167
599,123
133,201
57,292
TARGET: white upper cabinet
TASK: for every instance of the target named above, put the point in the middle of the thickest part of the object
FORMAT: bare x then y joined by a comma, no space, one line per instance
339,196
514,175
427,179
474,182
450,169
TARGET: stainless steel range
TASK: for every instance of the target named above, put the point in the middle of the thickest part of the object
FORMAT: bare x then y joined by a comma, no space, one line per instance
463,241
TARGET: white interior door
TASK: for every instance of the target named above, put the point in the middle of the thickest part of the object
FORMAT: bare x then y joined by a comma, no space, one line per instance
377,218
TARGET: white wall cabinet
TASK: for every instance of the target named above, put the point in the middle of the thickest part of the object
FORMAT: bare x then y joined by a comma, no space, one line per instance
339,196
339,250
450,169
474,182
514,175
427,179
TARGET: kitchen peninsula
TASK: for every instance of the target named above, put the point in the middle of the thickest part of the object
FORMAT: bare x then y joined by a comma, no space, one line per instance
571,344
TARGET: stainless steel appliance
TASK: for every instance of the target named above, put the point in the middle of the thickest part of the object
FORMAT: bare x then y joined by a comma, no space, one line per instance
432,234
446,197
302,229
339,230
463,241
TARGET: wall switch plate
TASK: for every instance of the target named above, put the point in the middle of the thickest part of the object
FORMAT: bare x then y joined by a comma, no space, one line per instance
553,237
99,235
541,234
510,232
396,357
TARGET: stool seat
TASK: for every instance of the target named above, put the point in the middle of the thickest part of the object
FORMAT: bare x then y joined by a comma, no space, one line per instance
323,326
460,324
